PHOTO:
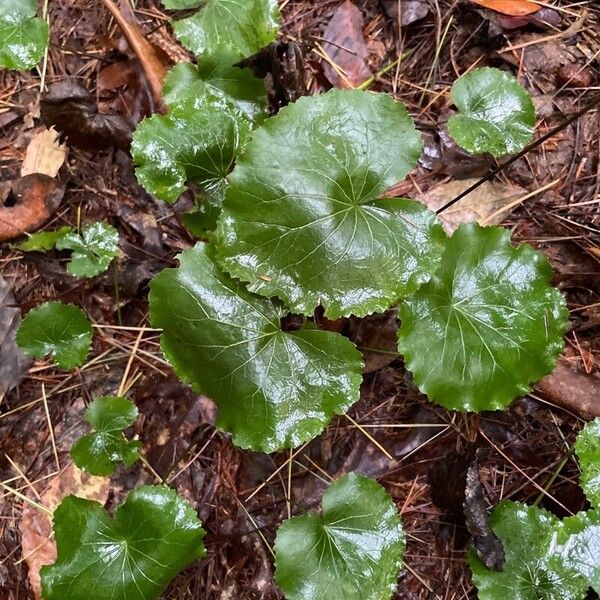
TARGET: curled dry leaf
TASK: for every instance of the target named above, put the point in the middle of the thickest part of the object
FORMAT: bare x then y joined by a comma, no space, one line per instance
515,8
45,154
33,199
38,545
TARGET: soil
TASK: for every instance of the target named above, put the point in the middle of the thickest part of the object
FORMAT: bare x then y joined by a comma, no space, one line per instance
243,496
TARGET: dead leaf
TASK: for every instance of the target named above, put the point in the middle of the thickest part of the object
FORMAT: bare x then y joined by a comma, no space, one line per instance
515,8
28,203
38,545
14,362
407,11
45,154
478,206
70,108
345,46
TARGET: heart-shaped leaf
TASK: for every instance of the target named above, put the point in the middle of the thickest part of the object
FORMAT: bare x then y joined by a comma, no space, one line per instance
531,572
100,451
23,36
93,250
587,448
227,30
496,114
353,551
274,389
302,220
61,330
43,240
197,142
153,535
238,86
486,326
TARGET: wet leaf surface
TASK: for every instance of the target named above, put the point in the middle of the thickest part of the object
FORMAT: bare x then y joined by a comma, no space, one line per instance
587,448
23,36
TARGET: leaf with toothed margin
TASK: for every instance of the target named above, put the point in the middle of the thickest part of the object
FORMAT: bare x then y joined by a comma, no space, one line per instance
303,219
153,536
496,114
488,324
274,389
196,142
353,551
587,448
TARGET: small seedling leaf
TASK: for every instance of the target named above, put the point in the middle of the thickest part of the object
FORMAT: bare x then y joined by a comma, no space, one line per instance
61,330
198,142
23,36
486,326
274,389
303,219
133,556
531,571
93,250
353,551
587,448
226,31
496,114
43,240
239,86
102,449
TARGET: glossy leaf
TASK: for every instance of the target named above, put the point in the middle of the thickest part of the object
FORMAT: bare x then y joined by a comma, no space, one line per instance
93,250
531,572
587,448
43,240
496,114
61,330
579,540
239,86
23,36
133,556
227,30
486,326
197,142
274,389
303,219
353,551
101,450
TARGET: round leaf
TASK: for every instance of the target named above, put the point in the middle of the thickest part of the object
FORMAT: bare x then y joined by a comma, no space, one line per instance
101,450
197,142
228,30
93,250
353,551
496,114
153,536
486,326
587,448
302,219
274,389
529,536
61,330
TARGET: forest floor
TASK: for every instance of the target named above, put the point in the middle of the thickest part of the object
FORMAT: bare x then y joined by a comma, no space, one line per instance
415,449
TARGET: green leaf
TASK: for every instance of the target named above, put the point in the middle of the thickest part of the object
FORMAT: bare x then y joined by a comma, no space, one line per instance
197,142
228,30
529,536
61,330
496,114
203,218
93,250
353,551
181,4
100,451
44,240
23,36
486,326
587,448
239,86
302,217
579,541
152,537
274,389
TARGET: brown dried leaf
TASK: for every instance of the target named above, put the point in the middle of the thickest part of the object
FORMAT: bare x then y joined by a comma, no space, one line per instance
515,8
345,46
45,154
38,545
